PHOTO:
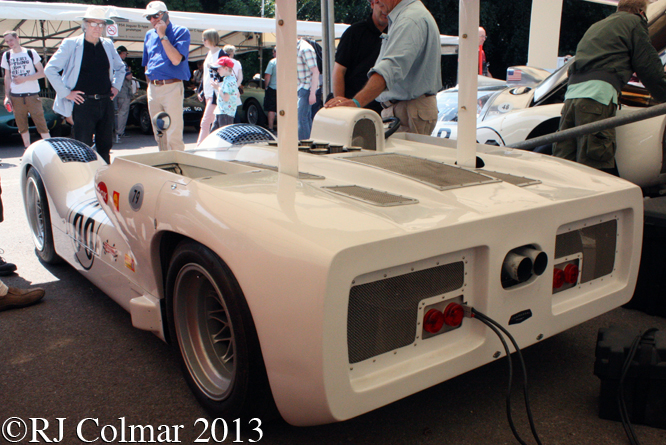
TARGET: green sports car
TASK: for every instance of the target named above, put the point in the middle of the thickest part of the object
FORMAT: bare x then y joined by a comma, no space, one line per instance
8,123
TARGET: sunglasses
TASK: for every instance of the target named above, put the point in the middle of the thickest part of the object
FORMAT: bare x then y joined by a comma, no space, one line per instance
154,16
96,24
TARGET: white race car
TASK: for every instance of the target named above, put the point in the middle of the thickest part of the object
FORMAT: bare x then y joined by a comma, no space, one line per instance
320,291
340,286
517,113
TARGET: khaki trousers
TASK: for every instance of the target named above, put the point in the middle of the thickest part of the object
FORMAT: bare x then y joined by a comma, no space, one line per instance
416,116
168,98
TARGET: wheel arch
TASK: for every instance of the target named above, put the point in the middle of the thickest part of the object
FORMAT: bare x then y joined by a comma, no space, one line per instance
546,127
261,118
166,246
171,246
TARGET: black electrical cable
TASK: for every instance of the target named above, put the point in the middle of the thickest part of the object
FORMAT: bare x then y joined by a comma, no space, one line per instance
484,318
508,392
624,413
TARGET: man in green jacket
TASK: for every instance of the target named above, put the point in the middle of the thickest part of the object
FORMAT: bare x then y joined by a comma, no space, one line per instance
606,57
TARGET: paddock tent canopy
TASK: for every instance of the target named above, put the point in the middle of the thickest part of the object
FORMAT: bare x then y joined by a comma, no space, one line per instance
42,26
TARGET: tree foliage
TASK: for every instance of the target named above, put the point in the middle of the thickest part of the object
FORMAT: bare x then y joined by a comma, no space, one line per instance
507,23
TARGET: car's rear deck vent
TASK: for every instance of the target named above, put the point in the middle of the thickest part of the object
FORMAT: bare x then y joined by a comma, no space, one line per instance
370,196
272,168
71,150
240,134
518,181
436,174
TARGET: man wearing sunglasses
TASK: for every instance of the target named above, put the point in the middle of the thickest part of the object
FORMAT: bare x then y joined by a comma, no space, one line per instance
165,52
86,73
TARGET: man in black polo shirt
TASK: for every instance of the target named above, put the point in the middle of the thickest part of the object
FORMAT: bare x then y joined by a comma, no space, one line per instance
356,55
85,91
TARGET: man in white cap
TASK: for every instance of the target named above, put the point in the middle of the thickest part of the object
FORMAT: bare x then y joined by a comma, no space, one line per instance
165,51
87,73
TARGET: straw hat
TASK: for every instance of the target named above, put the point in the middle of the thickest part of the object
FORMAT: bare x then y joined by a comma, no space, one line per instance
96,13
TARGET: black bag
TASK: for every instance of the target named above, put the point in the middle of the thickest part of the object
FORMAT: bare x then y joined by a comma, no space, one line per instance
638,361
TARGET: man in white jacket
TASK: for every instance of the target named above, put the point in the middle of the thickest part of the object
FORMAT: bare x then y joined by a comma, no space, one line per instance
92,74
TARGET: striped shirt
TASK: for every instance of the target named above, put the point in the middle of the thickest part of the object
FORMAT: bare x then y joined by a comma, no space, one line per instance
305,62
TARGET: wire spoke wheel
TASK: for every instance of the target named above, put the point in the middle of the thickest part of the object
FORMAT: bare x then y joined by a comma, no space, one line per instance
39,217
205,331
35,213
211,326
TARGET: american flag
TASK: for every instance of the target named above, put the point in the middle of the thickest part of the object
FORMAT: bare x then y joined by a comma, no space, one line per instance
513,75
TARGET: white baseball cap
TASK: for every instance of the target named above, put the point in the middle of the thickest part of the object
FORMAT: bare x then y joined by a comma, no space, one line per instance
96,13
154,8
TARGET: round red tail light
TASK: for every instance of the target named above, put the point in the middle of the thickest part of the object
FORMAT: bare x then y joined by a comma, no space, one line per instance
558,278
571,274
453,314
433,321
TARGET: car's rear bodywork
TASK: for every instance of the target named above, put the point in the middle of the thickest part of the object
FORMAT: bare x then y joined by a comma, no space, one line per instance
340,265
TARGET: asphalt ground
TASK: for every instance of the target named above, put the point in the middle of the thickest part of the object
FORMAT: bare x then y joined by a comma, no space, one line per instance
75,356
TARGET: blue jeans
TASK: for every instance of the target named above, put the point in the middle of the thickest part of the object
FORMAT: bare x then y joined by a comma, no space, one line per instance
304,114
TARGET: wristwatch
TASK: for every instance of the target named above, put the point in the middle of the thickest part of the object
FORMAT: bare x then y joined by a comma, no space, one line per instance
164,37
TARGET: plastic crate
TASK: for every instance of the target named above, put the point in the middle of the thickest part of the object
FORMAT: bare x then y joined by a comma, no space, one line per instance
645,383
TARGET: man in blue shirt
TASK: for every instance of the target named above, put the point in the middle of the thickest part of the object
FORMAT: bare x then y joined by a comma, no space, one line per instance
407,73
165,52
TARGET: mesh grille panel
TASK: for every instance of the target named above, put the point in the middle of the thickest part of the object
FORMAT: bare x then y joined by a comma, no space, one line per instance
382,314
71,150
518,181
596,243
436,174
371,196
239,134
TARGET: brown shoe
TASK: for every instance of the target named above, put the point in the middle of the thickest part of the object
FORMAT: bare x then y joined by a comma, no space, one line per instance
20,297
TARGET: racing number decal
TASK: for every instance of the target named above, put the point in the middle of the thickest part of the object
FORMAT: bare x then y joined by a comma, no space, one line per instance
136,197
442,130
85,232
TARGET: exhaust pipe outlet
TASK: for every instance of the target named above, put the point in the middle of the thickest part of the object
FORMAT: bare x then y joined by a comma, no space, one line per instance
539,259
518,267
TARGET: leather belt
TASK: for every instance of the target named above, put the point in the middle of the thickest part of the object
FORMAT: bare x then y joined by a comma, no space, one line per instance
164,82
389,103
97,96
23,94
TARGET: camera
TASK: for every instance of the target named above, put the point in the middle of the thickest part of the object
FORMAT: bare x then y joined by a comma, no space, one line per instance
215,75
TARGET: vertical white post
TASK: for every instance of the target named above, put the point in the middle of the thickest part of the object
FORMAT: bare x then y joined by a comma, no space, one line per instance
285,30
544,33
328,45
468,70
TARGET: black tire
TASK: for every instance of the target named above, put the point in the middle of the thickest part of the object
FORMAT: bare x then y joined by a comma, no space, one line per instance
145,122
39,218
252,113
211,327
